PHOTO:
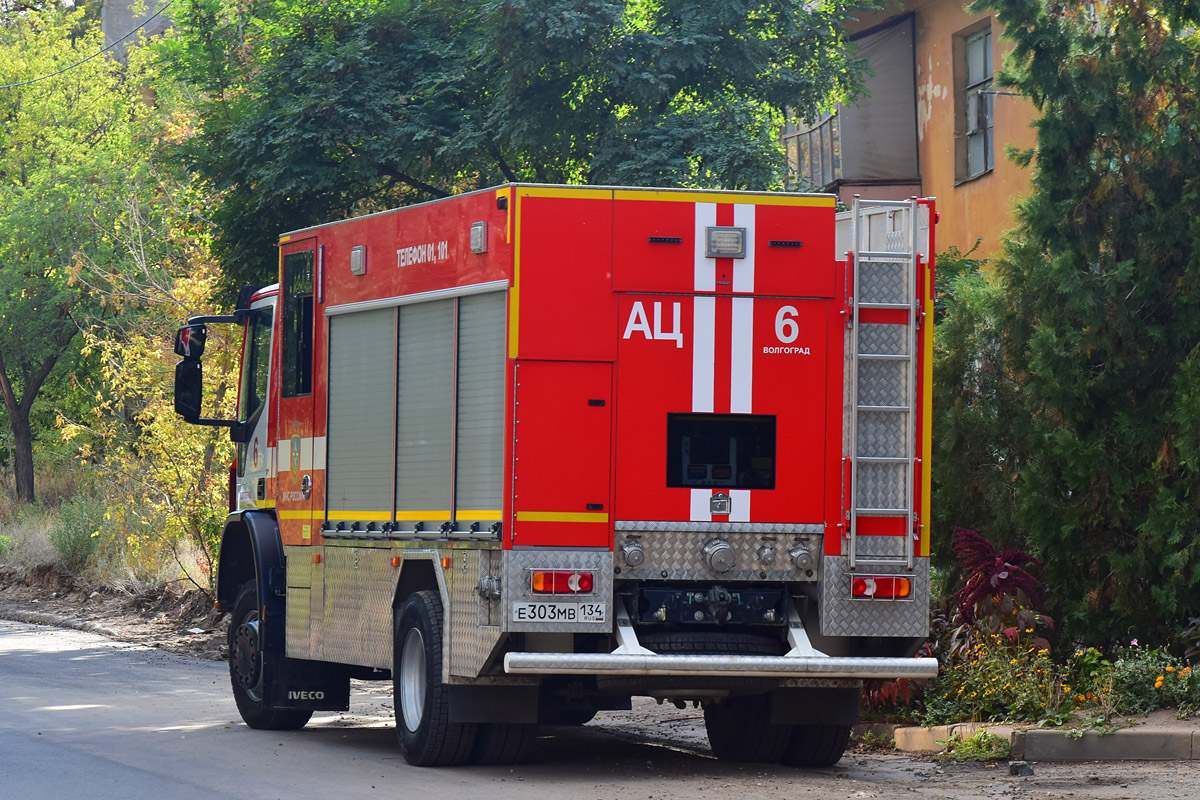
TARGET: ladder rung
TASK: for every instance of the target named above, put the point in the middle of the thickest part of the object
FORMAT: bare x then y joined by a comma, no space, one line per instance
881,408
880,255
879,561
885,357
892,306
882,512
883,459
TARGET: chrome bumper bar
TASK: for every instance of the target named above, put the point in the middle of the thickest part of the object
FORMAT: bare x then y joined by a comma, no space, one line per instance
731,666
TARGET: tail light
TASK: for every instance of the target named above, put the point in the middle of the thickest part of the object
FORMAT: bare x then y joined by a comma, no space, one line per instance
561,581
880,587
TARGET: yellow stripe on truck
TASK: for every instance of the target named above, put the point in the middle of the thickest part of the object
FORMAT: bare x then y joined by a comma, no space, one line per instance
561,516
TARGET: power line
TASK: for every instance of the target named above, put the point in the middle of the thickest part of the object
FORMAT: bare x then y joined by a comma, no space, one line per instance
95,55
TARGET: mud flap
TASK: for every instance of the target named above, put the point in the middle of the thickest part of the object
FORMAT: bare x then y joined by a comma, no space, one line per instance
309,685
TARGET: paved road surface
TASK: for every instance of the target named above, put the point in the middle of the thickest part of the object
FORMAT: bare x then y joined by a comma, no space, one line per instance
83,716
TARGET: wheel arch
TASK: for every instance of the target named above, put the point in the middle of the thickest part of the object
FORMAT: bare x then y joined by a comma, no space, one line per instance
251,549
420,570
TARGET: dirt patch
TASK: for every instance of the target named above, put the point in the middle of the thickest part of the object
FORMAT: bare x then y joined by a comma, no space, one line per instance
169,617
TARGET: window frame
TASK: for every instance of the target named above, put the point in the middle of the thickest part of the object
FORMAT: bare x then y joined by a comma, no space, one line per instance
973,91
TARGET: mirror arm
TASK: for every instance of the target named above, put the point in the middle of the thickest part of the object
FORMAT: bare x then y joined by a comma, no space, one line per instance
233,319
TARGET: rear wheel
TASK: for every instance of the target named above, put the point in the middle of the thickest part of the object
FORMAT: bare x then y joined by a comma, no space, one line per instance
739,729
503,742
427,736
817,745
251,668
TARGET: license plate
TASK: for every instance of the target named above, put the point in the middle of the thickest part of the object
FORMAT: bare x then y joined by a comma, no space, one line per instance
559,612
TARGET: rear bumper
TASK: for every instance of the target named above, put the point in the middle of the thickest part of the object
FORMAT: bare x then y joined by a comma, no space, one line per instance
730,666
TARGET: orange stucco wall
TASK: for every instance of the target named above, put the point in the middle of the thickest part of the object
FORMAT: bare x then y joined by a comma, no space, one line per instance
980,208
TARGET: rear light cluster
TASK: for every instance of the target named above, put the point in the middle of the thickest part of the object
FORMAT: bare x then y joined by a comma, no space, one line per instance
880,587
561,581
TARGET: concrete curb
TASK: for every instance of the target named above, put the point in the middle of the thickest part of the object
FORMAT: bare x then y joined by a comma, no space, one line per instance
1046,745
57,621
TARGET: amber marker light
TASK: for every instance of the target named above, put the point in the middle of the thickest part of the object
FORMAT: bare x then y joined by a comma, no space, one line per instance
447,562
316,558
561,581
395,561
880,587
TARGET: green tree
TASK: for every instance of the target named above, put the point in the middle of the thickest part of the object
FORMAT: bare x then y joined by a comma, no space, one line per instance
1094,363
65,140
315,109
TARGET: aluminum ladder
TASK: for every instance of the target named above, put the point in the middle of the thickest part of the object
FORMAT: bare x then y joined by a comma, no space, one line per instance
881,406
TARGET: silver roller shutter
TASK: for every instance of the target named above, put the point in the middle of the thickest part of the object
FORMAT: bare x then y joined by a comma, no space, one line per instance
359,459
425,412
481,372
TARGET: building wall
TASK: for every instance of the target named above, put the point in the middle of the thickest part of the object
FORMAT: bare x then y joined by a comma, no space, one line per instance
980,208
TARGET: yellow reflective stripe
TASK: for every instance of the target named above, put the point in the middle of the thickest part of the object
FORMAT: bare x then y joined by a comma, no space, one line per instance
560,516
417,516
483,516
360,516
514,294
820,201
927,423
563,191
304,515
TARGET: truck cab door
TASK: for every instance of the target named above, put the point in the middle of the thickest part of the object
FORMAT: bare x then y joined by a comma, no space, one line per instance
296,477
253,454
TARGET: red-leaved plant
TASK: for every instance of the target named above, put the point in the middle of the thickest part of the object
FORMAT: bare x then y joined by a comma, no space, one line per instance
998,594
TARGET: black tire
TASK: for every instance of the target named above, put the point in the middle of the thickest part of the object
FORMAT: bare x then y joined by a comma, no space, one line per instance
817,745
249,667
570,715
739,730
503,743
427,736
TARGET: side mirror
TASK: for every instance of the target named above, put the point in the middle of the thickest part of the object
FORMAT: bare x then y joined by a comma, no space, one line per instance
189,385
189,342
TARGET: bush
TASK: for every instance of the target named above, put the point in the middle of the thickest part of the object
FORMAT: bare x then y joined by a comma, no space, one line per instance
1147,679
74,537
995,679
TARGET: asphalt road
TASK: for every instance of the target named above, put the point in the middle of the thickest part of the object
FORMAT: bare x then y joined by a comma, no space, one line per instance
84,716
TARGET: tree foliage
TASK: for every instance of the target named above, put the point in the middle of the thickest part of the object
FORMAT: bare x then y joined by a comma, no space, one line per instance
320,108
65,142
1085,373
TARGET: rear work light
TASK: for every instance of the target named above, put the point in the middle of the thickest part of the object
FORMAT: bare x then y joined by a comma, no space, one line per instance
880,587
561,581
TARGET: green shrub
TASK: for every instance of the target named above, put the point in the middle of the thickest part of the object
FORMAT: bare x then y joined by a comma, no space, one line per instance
74,537
7,545
1147,679
994,679
983,746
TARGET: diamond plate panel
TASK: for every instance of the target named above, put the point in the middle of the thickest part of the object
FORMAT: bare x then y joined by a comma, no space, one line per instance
882,383
517,565
882,434
356,627
298,616
843,616
883,282
881,339
471,643
879,546
680,554
882,486
897,240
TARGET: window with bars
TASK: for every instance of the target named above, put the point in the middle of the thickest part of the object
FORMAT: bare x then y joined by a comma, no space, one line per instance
977,105
814,151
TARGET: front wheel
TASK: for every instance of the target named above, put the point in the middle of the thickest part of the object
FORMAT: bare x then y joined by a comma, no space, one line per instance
250,668
427,736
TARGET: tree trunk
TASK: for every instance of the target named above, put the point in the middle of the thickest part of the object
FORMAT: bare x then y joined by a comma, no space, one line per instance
18,421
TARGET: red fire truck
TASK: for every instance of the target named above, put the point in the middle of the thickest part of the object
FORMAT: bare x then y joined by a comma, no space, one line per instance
534,450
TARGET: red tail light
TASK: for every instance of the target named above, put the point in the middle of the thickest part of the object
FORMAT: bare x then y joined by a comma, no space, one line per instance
561,581
880,587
